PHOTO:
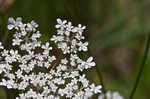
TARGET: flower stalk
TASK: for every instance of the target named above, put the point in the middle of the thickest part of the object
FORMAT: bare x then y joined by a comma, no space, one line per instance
141,67
100,76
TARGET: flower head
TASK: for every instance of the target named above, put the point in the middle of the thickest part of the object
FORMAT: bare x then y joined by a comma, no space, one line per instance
111,95
32,67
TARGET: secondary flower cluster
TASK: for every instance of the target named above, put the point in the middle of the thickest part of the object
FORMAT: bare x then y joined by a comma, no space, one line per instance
111,95
32,67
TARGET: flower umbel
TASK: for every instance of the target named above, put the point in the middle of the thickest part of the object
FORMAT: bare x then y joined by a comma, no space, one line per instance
111,95
31,66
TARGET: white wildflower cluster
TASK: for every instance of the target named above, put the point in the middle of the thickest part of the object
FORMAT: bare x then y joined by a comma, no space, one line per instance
111,95
32,67
69,38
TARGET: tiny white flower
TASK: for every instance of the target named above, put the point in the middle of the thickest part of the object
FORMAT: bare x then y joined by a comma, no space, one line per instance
83,46
79,29
36,35
64,61
61,32
19,73
69,27
96,89
61,24
64,47
57,38
31,26
14,23
16,41
89,61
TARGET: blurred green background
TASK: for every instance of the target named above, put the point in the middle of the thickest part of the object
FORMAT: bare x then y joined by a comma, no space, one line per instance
116,31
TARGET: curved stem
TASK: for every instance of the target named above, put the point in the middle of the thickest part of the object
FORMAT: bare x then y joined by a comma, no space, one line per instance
100,77
141,68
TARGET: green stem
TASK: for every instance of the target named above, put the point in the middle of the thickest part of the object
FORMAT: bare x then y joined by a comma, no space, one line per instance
3,26
141,68
100,77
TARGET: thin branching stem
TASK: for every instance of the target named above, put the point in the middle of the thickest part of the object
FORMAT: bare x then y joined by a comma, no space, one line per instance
141,67
100,77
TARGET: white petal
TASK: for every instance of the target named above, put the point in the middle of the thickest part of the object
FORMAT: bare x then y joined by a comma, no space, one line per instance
67,33
79,25
83,27
84,48
92,64
57,26
59,21
10,27
11,20
86,43
64,21
74,30
19,19
89,59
